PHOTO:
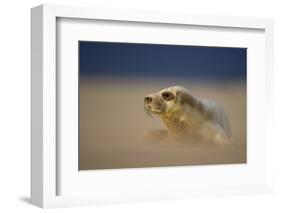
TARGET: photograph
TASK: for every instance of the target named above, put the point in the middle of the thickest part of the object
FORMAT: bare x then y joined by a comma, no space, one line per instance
147,105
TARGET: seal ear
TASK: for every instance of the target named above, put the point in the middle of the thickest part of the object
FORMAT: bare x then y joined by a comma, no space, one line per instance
184,97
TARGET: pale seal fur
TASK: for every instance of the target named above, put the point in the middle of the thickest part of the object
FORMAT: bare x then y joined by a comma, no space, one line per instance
187,118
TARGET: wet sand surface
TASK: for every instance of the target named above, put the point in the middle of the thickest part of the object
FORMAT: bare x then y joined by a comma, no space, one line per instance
113,124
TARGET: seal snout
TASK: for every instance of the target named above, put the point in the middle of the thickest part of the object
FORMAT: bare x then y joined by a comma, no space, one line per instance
148,99
153,103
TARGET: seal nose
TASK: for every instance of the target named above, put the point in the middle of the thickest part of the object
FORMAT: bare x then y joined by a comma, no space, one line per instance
147,99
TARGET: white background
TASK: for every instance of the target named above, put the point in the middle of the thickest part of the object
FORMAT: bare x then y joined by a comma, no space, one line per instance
15,106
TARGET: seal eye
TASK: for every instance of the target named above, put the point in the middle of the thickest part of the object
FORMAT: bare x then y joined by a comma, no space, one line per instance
167,96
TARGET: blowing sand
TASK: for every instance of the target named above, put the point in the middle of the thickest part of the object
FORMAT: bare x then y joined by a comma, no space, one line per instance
113,125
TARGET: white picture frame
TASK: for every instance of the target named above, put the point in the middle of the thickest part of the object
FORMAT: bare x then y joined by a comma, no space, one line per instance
45,168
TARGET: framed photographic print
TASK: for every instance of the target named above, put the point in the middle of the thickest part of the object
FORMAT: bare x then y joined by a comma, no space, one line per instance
133,106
